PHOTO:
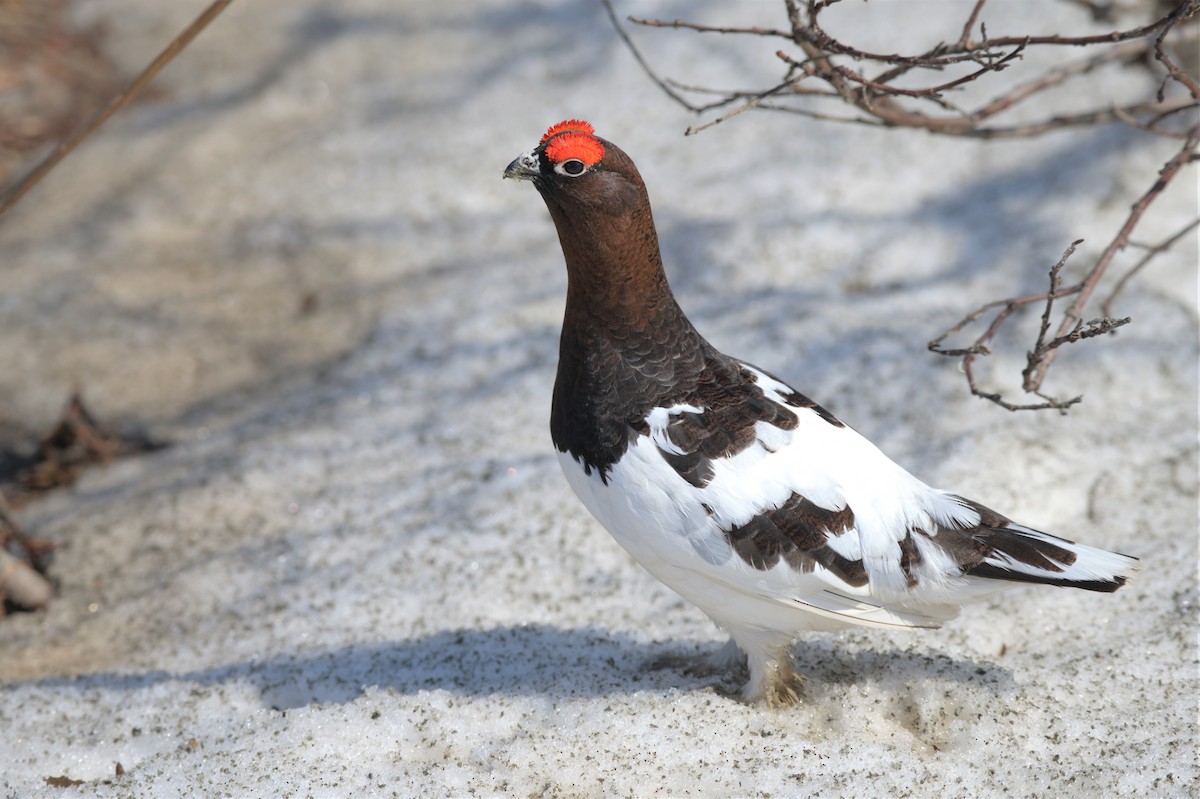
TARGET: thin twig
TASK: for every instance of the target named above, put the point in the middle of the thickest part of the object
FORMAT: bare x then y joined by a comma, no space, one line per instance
816,35
1033,379
746,106
1041,347
1056,77
965,39
979,346
116,104
1086,118
1172,68
931,90
729,95
645,65
876,96
1168,112
1055,283
805,112
1151,253
679,24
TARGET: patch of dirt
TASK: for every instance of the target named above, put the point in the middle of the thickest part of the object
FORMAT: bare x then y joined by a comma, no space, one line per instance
77,442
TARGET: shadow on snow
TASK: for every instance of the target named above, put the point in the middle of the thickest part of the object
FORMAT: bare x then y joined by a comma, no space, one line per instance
529,660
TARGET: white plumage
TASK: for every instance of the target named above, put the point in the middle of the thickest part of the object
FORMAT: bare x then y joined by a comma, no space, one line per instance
678,532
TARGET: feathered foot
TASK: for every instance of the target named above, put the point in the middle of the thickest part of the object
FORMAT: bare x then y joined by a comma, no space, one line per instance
773,677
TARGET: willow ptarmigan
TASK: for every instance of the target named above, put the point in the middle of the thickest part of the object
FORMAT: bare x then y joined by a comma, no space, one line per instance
741,494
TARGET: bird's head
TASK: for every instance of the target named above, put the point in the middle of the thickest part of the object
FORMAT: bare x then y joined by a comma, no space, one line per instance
573,168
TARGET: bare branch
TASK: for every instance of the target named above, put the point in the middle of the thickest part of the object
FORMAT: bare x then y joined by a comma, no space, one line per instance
994,66
1056,77
964,41
612,15
1151,253
829,69
752,102
116,104
813,33
1035,376
679,24
1172,68
878,96
1041,347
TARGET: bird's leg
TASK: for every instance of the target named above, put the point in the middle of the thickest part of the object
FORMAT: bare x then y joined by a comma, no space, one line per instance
773,677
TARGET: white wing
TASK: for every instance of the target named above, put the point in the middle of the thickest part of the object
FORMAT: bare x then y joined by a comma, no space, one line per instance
750,499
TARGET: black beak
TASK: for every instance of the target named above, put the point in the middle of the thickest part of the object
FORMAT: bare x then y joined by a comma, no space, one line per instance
524,167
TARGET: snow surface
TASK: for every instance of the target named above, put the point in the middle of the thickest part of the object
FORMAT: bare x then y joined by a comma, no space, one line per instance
358,571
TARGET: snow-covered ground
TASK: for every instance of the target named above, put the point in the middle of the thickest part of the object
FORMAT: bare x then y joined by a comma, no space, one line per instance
358,571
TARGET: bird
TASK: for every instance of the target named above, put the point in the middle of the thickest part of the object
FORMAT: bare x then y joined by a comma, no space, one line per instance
747,498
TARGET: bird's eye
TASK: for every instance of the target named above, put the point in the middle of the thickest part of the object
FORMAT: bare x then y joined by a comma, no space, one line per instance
572,167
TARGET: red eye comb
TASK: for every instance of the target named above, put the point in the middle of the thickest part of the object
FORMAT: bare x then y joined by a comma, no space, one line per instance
565,125
575,144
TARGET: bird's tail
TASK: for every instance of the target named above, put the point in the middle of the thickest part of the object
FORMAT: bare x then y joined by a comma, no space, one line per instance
1005,550
1024,555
